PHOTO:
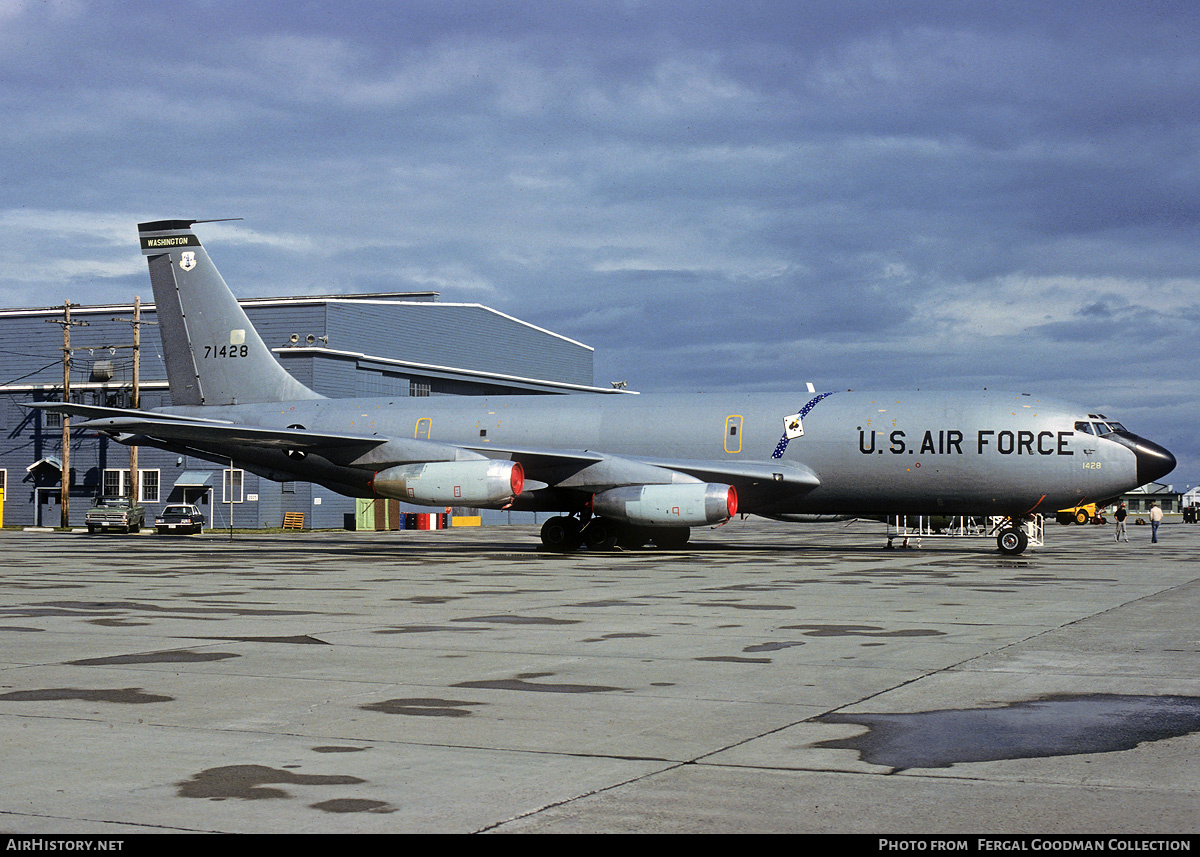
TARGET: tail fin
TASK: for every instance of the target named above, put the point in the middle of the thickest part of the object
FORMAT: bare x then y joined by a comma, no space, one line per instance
214,355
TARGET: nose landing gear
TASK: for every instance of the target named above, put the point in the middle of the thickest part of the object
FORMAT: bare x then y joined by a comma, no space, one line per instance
1012,540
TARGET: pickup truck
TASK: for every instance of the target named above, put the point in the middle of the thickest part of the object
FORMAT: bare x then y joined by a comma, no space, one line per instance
179,518
115,513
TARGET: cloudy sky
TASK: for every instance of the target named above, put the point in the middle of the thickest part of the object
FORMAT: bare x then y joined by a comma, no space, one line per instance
714,195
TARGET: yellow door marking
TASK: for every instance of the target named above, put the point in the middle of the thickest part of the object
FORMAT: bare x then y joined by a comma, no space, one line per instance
733,434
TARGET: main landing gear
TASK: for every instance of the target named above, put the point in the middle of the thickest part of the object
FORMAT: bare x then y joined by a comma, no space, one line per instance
565,533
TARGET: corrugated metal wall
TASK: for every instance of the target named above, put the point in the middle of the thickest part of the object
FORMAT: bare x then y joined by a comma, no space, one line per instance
461,336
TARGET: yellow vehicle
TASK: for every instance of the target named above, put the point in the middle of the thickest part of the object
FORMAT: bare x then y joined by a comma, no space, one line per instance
1079,515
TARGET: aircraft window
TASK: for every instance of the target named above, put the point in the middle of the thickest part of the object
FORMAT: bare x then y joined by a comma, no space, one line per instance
1103,429
1086,428
1117,427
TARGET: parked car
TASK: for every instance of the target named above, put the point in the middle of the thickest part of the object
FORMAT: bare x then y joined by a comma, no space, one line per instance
179,519
115,513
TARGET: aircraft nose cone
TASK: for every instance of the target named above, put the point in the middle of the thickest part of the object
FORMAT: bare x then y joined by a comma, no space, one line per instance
1153,461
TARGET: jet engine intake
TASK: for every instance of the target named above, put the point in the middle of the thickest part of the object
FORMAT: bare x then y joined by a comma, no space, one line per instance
489,482
685,505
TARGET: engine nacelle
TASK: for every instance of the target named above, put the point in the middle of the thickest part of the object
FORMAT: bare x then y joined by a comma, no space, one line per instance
687,505
488,482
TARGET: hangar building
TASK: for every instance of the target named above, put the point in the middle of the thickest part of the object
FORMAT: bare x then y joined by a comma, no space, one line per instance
396,344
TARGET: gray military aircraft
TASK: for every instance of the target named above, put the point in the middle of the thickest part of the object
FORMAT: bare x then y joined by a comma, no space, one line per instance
621,469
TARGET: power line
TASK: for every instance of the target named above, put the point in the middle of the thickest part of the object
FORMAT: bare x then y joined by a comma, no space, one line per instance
34,372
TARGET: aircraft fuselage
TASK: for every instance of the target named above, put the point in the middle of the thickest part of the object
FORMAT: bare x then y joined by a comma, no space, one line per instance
873,453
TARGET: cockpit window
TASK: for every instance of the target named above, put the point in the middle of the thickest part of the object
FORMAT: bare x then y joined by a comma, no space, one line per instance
1116,426
1086,428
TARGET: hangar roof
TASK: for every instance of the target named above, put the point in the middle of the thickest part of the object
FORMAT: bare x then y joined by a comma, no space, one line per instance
391,333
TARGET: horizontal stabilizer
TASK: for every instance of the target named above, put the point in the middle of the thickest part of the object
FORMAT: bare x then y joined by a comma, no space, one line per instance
199,431
93,412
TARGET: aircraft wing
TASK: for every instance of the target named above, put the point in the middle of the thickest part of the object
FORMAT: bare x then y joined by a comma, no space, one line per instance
794,477
97,412
221,436
593,471
581,470
174,428
203,432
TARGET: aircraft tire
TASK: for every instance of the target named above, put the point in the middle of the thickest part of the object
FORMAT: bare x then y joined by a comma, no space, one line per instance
1012,541
600,534
672,538
561,533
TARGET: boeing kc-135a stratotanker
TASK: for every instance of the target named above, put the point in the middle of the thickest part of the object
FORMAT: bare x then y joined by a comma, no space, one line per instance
620,469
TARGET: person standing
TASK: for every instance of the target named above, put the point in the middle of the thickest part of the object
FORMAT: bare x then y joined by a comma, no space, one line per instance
1121,515
1155,520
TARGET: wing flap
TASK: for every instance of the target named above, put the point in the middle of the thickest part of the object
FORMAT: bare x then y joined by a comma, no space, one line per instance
592,471
786,475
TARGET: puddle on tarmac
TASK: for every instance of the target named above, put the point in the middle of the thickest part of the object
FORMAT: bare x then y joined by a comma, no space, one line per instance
122,695
252,782
1056,725
176,656
519,620
349,804
423,707
860,631
630,636
773,647
617,602
301,639
740,606
521,682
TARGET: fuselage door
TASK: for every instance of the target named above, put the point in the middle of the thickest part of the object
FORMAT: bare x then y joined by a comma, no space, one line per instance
733,434
424,427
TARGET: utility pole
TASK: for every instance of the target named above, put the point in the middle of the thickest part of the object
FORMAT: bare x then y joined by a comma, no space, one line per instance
137,323
65,497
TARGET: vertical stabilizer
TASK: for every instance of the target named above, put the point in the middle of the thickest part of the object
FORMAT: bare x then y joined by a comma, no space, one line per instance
214,355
